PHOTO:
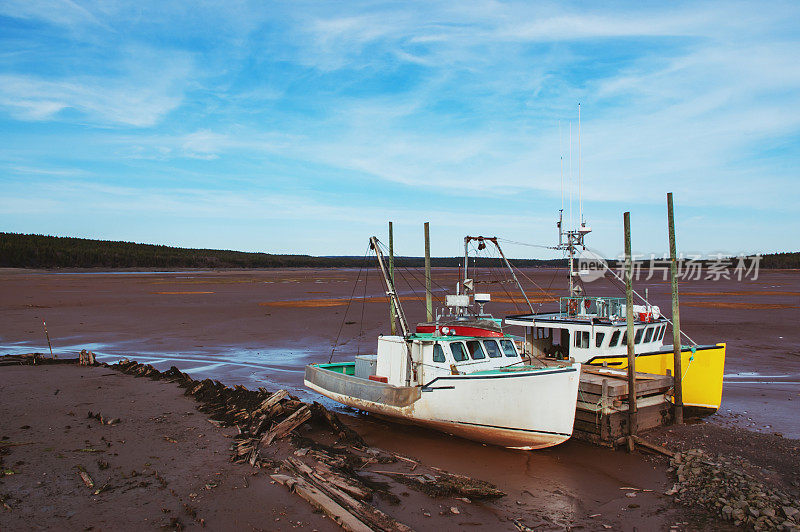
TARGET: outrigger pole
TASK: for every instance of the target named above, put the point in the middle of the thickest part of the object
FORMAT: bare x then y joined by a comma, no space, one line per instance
401,316
390,291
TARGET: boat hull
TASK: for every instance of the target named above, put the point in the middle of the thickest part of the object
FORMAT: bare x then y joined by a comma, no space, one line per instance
517,409
701,370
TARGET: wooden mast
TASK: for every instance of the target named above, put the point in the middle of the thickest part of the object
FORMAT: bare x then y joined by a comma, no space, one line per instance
677,370
428,295
392,314
630,332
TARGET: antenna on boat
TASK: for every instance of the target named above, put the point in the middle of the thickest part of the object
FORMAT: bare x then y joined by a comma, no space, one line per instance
561,156
390,291
580,196
573,237
571,220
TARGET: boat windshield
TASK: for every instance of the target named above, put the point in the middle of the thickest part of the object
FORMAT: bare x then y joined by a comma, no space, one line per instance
459,351
508,348
438,353
475,350
492,348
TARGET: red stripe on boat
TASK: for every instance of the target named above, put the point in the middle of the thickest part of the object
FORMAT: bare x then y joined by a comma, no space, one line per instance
461,330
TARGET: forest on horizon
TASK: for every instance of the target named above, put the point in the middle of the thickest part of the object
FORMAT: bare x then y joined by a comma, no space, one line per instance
42,251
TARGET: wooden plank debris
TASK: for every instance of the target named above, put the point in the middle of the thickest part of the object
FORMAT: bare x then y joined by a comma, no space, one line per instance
319,500
287,425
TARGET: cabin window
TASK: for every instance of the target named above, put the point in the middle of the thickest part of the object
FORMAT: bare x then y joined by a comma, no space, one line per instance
438,353
582,339
624,339
598,339
540,333
459,351
648,335
508,348
475,350
492,348
663,329
638,338
614,339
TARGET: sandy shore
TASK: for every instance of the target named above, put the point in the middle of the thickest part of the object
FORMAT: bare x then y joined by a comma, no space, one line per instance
262,326
258,328
162,465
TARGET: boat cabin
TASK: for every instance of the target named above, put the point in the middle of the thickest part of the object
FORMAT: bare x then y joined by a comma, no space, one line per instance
435,354
589,327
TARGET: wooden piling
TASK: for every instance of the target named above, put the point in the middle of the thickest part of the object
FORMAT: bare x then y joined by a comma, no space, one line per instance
676,318
428,295
392,313
630,330
48,339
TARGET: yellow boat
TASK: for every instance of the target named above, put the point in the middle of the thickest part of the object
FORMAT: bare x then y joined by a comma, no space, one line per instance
702,367
593,330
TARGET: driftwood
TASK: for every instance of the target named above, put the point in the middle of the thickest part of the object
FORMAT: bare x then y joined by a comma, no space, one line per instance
86,358
86,478
366,513
267,405
323,473
332,420
653,447
318,499
287,425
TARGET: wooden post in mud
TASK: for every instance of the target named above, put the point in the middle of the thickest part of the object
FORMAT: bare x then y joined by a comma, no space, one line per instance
428,298
676,318
392,315
629,322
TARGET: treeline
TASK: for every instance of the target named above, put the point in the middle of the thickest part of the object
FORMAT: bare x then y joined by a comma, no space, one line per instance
781,260
40,251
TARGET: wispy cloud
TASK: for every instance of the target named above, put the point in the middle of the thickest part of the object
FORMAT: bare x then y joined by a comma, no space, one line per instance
352,111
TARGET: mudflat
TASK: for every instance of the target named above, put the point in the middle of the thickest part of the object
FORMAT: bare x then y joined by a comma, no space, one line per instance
262,326
259,328
161,465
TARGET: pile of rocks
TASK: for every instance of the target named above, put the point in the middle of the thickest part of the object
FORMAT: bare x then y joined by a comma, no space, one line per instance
723,486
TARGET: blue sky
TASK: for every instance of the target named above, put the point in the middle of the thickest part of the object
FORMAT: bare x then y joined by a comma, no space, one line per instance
295,127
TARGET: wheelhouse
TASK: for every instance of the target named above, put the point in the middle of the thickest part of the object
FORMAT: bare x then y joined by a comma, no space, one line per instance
588,327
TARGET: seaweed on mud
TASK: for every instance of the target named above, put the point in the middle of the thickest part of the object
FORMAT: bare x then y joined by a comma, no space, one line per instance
448,484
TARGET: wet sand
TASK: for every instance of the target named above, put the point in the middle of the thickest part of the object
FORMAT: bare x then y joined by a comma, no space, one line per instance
162,465
251,327
259,328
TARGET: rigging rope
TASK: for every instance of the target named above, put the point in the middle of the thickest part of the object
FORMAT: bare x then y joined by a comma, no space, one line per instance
648,303
349,301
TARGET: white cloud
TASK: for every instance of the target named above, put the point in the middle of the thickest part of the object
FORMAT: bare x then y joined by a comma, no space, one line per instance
151,85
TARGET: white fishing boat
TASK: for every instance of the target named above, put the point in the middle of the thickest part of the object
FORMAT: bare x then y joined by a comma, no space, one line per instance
460,374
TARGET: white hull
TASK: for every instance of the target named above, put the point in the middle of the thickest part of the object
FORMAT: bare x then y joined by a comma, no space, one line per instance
521,409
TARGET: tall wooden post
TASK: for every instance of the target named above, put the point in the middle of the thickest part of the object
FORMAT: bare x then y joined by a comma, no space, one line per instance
428,295
630,331
676,318
392,313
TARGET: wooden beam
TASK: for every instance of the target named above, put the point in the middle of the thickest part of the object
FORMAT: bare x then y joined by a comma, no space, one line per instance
321,501
676,318
392,312
629,322
287,425
428,295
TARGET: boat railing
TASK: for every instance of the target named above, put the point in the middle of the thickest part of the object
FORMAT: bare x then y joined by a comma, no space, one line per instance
601,307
